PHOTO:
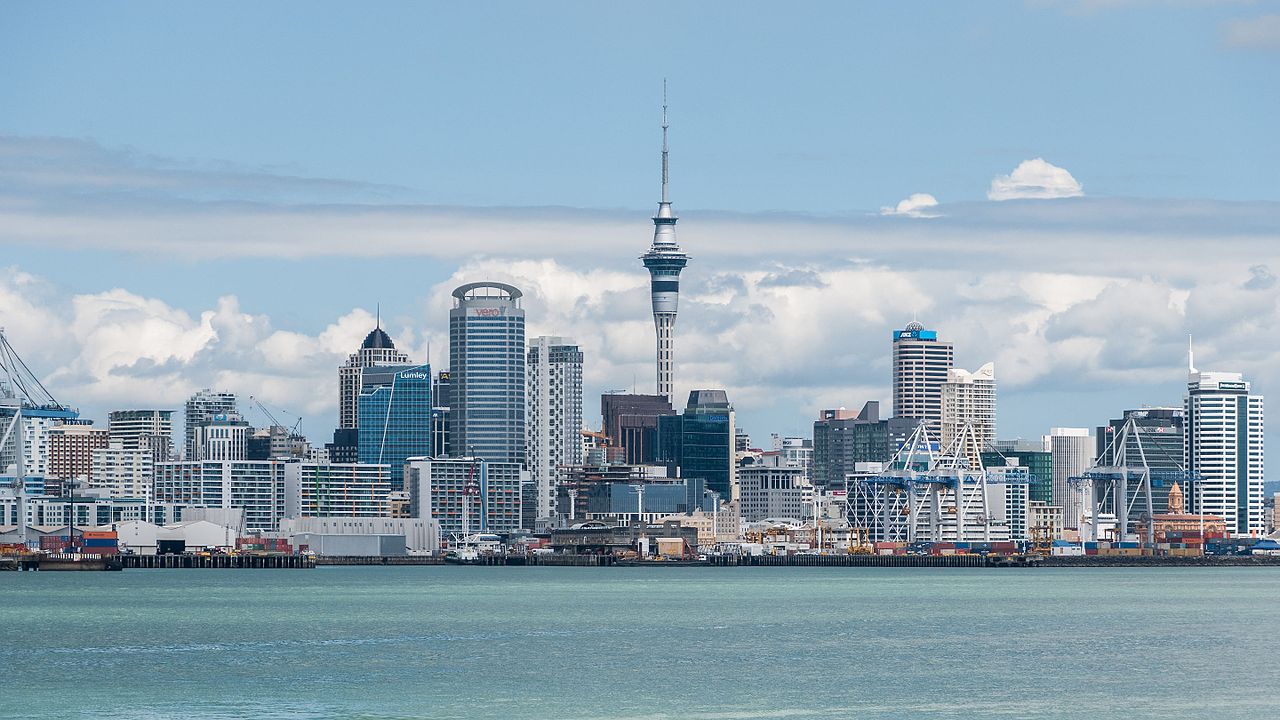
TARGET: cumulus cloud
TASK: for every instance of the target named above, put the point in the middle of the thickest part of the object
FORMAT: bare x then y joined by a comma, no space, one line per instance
917,205
1035,179
1259,33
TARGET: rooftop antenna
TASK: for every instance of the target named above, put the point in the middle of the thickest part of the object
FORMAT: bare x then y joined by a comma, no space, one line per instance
378,315
1191,356
664,140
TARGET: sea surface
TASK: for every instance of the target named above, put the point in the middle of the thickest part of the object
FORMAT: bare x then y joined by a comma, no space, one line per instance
374,643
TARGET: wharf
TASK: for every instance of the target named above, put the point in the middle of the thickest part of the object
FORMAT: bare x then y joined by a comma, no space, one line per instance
379,560
933,561
60,563
1077,561
218,562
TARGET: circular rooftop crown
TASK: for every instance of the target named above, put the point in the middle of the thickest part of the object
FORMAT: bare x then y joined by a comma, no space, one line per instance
377,339
487,290
914,326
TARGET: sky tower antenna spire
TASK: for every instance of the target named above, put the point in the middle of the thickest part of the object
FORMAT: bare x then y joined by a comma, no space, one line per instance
664,141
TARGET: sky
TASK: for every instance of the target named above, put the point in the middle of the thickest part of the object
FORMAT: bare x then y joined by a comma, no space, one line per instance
221,196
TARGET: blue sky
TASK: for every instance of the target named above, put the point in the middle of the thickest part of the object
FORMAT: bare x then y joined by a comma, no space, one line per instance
312,159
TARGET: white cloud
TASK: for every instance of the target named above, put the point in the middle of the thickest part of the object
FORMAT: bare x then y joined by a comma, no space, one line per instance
1034,179
1259,33
917,205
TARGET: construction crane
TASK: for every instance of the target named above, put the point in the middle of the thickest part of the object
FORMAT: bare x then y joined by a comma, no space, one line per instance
295,429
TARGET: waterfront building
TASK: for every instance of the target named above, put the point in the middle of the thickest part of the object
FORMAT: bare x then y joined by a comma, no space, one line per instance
347,490
257,486
664,262
1030,454
394,416
201,409
700,442
71,450
143,430
1223,442
554,372
969,412
377,349
796,452
773,491
487,372
466,495
421,535
920,366
121,471
631,422
843,439
1176,521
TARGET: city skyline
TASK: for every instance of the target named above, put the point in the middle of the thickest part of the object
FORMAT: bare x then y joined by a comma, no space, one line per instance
225,267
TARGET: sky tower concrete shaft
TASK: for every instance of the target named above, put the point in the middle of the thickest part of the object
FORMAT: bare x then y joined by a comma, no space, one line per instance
665,261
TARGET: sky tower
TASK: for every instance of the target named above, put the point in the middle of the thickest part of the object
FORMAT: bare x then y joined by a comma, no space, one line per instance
665,261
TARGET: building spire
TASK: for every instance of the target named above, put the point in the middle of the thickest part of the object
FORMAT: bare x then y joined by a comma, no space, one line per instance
377,315
665,198
1191,356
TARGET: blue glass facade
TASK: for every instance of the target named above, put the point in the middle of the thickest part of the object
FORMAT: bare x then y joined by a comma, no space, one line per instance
394,416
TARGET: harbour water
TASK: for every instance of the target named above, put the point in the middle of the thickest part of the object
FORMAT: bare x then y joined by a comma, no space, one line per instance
383,643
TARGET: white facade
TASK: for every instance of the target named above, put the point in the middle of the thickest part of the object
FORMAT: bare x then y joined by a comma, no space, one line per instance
143,429
920,365
124,473
223,440
969,398
1223,442
1073,453
258,486
773,492
421,535
554,417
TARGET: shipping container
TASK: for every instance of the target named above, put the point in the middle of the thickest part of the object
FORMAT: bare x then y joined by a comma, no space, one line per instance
99,534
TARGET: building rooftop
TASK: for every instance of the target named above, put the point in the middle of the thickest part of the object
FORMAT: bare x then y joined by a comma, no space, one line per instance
377,339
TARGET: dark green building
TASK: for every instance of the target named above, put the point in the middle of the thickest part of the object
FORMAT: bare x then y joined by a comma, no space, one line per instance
1031,455
700,441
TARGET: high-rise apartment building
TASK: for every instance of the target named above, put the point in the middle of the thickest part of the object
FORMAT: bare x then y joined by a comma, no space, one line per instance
554,418
630,422
71,450
920,366
377,349
123,472
1073,454
842,439
664,262
201,409
969,401
466,495
394,416
143,430
1223,442
225,437
487,372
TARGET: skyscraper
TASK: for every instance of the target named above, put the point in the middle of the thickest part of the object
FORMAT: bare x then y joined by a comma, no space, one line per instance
969,400
393,415
1224,443
377,349
201,409
554,368
665,261
920,365
700,442
487,372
